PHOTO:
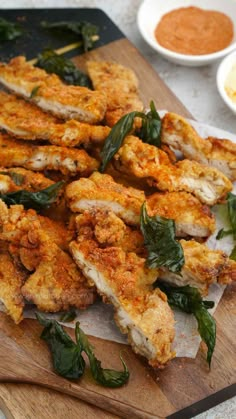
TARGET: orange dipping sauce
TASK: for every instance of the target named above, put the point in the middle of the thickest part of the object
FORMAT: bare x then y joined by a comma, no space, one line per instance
194,31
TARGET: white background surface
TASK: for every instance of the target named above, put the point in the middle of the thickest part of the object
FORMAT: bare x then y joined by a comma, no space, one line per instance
195,87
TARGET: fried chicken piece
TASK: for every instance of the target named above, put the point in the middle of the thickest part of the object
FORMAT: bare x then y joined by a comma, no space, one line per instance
51,94
28,122
179,134
101,191
12,180
120,85
190,216
39,158
122,278
143,160
202,267
11,281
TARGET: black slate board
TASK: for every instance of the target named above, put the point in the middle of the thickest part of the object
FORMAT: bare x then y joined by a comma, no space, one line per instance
36,38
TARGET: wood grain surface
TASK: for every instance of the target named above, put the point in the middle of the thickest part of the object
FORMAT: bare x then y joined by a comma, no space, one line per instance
149,393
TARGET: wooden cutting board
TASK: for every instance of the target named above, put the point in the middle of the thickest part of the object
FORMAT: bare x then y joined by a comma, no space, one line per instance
184,384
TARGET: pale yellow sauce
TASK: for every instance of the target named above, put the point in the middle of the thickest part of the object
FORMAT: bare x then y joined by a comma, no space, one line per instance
230,83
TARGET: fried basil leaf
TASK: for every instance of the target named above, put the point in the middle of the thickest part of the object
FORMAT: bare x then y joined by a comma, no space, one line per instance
66,354
34,92
231,202
17,178
159,239
63,67
86,31
189,300
9,30
36,200
233,254
106,377
149,133
68,316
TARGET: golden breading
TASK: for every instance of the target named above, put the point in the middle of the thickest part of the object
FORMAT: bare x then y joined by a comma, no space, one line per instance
122,278
120,85
11,281
12,180
202,267
179,134
101,191
190,216
143,160
52,95
28,122
49,157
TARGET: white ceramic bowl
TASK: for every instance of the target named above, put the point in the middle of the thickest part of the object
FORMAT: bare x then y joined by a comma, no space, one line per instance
151,11
222,73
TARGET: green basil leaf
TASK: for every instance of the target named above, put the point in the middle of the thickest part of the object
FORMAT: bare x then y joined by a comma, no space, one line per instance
34,92
106,377
85,31
9,30
36,200
17,178
68,316
233,254
189,300
231,202
223,233
159,239
206,329
150,133
151,127
66,355
63,67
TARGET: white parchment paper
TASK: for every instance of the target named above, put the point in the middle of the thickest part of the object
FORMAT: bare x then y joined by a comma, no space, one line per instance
98,321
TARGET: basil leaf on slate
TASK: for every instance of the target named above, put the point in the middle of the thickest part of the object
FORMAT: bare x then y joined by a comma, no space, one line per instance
17,178
86,31
9,30
150,132
159,239
36,200
68,316
106,377
63,67
189,300
66,355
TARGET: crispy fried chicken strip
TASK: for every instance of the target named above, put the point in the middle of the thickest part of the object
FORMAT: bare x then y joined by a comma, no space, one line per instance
208,184
11,281
120,85
101,191
39,158
122,278
28,122
12,180
179,134
202,267
52,95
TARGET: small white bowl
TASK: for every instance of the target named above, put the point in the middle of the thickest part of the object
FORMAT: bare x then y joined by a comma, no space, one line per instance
151,11
222,74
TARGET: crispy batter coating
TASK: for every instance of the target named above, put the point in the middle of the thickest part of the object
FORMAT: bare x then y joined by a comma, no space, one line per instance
55,283
52,95
122,278
120,85
17,178
11,281
208,184
101,191
190,216
39,158
28,122
202,267
179,134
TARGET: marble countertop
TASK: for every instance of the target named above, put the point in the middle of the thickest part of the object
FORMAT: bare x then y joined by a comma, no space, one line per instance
195,87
